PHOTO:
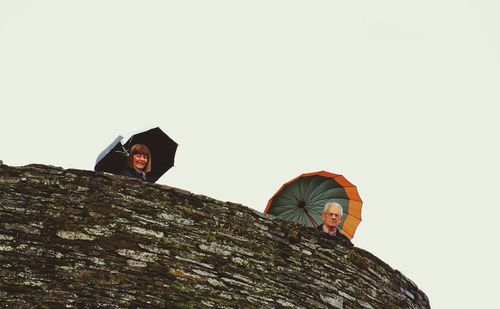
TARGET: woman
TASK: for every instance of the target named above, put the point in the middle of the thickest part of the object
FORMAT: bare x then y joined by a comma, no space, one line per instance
138,163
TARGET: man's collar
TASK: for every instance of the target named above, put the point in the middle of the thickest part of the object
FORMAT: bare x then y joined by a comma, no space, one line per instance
328,231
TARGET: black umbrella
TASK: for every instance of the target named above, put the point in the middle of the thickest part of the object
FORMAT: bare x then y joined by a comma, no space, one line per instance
162,149
112,159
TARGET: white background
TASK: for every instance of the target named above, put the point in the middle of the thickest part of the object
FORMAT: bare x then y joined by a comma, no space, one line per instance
400,97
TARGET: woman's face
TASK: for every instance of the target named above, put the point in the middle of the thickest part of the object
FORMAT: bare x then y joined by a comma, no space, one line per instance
139,161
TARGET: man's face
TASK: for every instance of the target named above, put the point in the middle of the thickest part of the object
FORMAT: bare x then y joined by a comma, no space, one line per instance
331,217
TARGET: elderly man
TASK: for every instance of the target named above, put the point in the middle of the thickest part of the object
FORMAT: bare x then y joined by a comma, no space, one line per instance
332,214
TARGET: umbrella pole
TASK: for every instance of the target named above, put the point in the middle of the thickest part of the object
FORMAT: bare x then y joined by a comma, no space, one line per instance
311,219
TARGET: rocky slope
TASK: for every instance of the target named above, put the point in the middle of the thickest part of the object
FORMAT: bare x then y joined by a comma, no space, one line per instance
80,239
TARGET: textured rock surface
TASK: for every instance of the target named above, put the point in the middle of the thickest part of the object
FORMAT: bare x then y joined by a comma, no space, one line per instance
79,239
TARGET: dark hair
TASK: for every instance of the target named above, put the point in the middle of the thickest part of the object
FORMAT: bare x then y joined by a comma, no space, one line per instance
141,149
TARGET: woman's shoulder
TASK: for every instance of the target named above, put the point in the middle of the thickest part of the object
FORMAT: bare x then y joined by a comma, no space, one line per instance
127,172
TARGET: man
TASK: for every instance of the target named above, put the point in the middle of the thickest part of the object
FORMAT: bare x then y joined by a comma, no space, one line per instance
332,214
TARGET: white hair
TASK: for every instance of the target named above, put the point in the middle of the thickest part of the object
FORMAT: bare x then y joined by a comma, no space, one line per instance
333,204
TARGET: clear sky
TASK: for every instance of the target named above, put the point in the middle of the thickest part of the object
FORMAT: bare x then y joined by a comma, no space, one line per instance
400,97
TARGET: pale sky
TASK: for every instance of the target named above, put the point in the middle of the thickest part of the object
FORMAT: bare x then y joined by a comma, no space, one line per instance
400,97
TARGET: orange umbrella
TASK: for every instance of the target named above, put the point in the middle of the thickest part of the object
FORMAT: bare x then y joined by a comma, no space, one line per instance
303,198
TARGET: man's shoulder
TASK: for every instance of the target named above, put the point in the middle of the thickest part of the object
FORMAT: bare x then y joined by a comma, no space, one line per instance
338,235
344,238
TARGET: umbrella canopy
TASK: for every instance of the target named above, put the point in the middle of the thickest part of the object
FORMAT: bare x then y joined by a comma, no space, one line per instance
112,159
162,149
303,198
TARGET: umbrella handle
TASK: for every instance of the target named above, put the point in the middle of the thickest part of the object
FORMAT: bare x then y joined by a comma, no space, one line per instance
311,219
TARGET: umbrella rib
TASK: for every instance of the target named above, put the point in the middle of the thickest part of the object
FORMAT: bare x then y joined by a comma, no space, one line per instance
284,202
297,198
285,196
324,192
313,198
295,216
311,219
280,210
288,199
313,193
291,216
313,210
320,201
303,218
289,212
329,199
319,192
307,192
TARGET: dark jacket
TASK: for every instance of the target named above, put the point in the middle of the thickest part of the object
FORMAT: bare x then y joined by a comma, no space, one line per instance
338,235
132,172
